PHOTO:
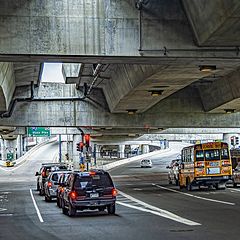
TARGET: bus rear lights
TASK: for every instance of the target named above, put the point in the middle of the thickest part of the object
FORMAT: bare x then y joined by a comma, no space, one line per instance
226,163
200,164
207,68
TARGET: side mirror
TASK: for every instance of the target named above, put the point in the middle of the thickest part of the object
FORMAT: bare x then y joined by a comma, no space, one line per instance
37,173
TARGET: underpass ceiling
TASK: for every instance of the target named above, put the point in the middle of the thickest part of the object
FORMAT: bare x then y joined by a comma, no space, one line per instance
129,86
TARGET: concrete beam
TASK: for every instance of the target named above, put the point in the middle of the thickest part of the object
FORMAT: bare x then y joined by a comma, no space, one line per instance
87,31
221,94
215,23
183,109
7,85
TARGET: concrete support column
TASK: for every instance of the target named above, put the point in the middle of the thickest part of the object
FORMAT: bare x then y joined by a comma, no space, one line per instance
2,148
10,147
98,151
19,146
227,139
145,148
76,154
121,151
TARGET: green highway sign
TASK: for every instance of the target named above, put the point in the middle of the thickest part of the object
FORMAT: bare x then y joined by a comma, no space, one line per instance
9,156
38,132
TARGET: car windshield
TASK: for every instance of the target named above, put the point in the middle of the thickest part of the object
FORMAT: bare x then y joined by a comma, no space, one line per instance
94,181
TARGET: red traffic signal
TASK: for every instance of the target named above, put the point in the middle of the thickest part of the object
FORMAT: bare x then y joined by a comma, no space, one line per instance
80,146
87,140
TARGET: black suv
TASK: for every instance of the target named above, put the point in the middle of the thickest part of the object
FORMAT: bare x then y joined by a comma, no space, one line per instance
44,172
89,190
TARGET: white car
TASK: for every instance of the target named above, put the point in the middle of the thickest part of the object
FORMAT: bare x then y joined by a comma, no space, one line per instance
146,163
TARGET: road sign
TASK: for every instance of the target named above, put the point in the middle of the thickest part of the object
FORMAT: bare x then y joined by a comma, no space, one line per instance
38,132
9,156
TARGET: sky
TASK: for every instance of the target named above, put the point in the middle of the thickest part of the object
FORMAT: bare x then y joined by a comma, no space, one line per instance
52,72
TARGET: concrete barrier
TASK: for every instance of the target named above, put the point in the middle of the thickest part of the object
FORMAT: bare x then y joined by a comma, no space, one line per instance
132,159
27,154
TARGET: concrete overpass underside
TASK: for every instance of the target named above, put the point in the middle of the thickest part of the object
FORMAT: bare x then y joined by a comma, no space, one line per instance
116,57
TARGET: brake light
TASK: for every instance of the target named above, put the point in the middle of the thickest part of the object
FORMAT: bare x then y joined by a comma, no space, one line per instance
225,163
92,173
43,174
200,164
114,192
61,189
73,195
49,184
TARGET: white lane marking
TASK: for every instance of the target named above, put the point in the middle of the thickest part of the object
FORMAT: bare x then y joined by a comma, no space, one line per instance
6,214
3,209
137,189
233,189
191,195
155,210
36,207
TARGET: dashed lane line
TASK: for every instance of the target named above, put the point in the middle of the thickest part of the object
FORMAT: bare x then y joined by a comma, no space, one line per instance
145,207
36,207
193,196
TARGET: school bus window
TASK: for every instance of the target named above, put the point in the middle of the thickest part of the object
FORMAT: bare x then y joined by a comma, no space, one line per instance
212,154
224,154
199,155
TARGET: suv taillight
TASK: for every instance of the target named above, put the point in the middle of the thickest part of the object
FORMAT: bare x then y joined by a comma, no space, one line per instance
114,192
49,184
73,195
43,174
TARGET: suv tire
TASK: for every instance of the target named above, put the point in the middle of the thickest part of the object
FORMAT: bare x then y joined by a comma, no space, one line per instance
48,199
111,208
41,192
71,210
64,210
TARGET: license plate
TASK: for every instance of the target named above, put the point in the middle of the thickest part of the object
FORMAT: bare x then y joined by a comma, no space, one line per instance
94,195
213,170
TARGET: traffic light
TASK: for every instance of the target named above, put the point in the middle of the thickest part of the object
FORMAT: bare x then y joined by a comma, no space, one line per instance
237,140
81,146
87,140
232,140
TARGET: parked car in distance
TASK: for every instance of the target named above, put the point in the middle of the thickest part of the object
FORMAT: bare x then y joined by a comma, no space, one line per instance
51,184
89,190
43,173
236,175
60,187
146,163
173,173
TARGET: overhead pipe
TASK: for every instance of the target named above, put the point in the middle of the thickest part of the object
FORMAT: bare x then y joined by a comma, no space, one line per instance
33,99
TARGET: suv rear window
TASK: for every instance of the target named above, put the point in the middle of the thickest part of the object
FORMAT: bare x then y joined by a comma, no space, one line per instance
55,177
94,181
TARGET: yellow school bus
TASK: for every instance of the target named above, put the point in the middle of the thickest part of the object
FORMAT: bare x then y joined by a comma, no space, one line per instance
206,164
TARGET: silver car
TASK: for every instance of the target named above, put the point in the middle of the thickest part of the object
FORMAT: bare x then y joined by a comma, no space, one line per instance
51,185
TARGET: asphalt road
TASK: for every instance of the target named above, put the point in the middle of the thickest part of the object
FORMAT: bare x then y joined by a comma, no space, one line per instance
147,207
